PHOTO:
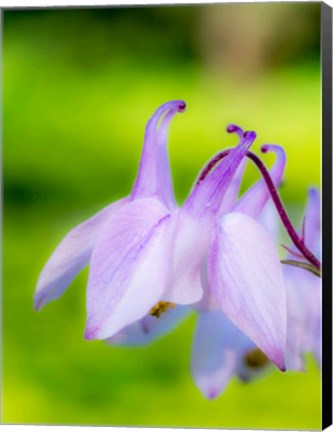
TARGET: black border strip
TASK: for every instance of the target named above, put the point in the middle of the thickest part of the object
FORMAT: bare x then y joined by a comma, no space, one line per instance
326,70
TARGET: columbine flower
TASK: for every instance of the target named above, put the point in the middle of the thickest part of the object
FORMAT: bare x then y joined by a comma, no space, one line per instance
220,348
147,255
138,235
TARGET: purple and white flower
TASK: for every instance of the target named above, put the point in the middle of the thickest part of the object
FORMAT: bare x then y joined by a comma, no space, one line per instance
212,254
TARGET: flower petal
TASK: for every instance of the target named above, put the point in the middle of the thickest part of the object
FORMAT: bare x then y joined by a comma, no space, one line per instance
304,314
247,281
217,350
312,222
191,239
150,327
253,201
72,254
231,195
207,195
194,223
154,177
128,271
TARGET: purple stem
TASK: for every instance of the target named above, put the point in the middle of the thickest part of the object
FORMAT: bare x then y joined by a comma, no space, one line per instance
298,242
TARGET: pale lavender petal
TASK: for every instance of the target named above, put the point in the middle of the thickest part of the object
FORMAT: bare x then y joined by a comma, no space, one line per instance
269,219
207,301
253,201
318,339
296,331
72,254
247,282
154,179
304,315
193,225
150,328
207,196
312,222
231,195
191,239
217,350
129,268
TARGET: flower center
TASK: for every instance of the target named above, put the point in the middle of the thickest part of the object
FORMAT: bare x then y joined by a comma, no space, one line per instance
255,359
160,308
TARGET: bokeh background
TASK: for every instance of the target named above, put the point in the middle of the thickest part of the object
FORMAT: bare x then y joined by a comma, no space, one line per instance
79,86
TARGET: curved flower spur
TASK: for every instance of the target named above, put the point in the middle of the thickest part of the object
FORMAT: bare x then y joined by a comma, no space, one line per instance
153,186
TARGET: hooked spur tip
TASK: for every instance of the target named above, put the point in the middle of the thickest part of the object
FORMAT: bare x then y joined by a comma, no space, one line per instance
181,106
264,148
250,135
272,147
232,128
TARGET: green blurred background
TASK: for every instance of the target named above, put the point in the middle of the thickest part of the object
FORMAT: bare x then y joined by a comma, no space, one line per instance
79,87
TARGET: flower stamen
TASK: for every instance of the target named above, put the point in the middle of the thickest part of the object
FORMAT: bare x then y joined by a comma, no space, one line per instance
160,308
256,359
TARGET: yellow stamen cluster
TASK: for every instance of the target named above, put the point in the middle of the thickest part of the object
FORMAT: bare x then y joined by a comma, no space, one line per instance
160,308
256,359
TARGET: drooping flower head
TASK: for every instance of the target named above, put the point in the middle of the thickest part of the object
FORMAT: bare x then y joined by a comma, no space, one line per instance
153,181
209,364
149,258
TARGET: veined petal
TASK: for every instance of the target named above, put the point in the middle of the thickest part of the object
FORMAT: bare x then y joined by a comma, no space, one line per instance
149,328
304,313
193,226
72,254
253,201
217,350
207,196
269,219
231,195
191,238
154,177
312,222
129,268
247,281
